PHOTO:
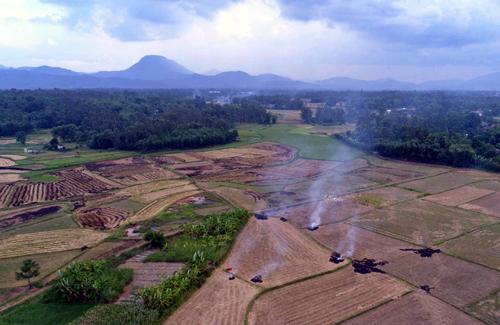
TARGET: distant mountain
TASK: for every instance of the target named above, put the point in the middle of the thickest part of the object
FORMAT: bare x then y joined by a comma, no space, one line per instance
212,72
150,67
155,71
2,67
344,83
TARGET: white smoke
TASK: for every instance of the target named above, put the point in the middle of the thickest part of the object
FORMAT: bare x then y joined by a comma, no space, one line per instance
347,245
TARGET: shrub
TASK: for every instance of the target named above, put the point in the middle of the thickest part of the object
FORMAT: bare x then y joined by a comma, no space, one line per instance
155,238
118,314
89,281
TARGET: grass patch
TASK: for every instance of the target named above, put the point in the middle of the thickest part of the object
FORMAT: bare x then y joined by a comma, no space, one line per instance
40,313
42,178
369,200
127,205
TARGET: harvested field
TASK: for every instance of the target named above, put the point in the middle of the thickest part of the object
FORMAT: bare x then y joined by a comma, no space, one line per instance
10,178
329,211
481,246
349,166
458,196
102,218
151,187
456,281
5,190
27,216
409,166
6,162
440,183
417,308
127,205
14,157
158,206
278,251
422,222
218,302
130,171
301,169
489,205
336,184
488,185
12,171
146,274
49,241
74,182
48,264
166,192
56,221
9,141
246,199
385,175
95,200
326,299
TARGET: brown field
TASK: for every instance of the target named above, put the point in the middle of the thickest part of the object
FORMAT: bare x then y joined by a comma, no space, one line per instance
108,248
458,196
488,185
151,187
9,141
74,182
299,169
27,216
14,157
337,184
218,302
489,205
146,274
351,165
95,200
130,171
385,175
440,183
326,299
49,241
456,281
278,251
422,222
329,211
481,246
10,178
417,308
5,190
158,206
6,162
169,191
102,218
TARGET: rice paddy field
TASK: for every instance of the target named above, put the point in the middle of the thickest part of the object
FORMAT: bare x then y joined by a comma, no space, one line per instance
420,242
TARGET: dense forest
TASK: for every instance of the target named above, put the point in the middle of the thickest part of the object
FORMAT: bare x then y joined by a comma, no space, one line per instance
127,120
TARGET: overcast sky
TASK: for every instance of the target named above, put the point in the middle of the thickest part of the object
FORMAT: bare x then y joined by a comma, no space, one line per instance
408,40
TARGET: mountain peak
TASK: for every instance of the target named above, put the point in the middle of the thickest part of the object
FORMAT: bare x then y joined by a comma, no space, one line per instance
157,64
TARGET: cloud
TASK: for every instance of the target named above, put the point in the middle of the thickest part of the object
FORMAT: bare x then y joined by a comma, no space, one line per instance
423,23
131,21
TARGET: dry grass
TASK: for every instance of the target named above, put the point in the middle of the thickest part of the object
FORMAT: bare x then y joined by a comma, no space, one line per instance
146,198
218,302
458,196
489,205
14,157
326,299
6,162
158,206
49,241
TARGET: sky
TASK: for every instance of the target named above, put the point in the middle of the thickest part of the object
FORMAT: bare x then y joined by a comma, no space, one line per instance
408,40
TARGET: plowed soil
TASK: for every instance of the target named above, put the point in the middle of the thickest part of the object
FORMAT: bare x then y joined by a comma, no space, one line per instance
102,218
5,190
454,280
218,302
327,299
278,252
418,308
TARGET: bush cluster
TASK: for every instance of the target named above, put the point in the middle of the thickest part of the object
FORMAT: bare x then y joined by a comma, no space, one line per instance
118,314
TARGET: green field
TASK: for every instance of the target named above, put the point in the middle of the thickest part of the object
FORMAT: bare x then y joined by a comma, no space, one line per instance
44,314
